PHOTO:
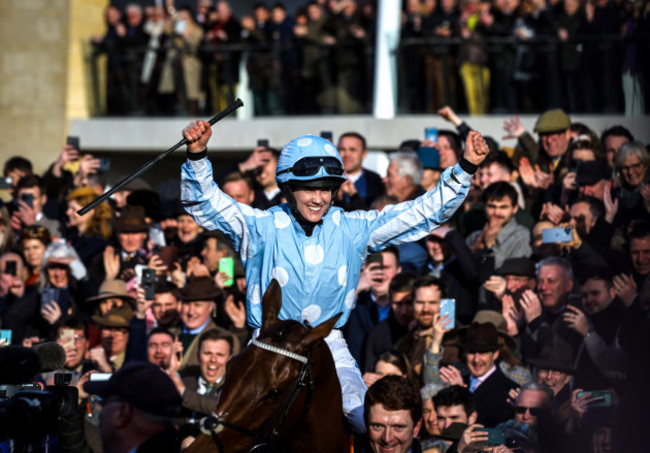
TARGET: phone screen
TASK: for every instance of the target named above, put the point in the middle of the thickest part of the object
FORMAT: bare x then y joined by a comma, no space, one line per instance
66,337
73,141
10,267
227,265
448,307
28,199
263,142
48,295
5,337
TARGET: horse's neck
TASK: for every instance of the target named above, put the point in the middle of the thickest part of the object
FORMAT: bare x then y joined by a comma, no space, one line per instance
322,428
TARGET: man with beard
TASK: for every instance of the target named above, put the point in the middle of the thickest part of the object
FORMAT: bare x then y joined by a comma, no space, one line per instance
427,292
502,236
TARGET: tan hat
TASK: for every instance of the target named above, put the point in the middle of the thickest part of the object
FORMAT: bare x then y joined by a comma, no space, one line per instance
116,317
552,121
113,288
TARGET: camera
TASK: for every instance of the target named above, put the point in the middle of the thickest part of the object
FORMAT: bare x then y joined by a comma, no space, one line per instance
28,415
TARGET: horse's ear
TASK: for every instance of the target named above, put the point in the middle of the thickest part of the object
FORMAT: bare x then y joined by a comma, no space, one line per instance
271,304
320,331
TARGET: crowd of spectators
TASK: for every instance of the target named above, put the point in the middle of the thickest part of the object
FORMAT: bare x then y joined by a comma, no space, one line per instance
478,57
548,261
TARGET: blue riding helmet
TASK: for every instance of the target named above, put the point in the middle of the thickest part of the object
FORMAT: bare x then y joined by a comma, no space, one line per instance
309,158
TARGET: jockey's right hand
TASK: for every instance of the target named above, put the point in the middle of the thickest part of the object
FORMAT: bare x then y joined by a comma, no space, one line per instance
198,134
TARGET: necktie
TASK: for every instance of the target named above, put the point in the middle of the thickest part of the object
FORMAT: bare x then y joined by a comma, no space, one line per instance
473,383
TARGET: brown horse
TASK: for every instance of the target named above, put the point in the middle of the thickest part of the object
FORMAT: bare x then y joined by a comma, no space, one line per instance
281,393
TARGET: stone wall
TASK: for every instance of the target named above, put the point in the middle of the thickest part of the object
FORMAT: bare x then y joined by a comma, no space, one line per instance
42,70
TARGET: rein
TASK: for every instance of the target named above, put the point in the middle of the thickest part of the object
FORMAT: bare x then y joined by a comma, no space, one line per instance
209,424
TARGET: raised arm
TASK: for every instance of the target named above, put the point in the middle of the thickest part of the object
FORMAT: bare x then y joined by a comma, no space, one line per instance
412,220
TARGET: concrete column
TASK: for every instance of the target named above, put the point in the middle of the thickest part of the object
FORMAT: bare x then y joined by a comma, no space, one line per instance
388,30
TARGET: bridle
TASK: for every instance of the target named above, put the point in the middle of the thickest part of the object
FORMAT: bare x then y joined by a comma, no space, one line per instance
273,424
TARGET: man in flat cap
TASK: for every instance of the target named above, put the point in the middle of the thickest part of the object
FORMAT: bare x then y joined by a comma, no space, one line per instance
554,138
140,403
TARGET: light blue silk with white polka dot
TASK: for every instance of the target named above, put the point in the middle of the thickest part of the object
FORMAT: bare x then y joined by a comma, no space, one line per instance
319,273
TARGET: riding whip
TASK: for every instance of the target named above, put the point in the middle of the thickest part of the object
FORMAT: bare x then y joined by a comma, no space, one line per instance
218,117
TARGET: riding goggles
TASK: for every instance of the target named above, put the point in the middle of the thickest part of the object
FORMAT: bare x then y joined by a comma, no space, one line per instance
309,166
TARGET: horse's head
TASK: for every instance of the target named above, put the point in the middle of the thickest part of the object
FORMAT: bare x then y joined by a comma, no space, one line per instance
268,385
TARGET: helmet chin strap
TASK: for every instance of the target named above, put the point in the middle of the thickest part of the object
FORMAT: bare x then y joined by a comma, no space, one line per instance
307,225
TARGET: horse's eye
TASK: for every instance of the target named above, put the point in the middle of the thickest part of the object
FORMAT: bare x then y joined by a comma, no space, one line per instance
273,395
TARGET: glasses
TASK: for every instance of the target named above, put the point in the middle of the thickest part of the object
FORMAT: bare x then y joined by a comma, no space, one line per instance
309,166
633,167
534,411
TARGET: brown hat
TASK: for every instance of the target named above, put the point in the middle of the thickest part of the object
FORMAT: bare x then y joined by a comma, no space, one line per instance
497,319
142,384
481,337
199,288
555,356
116,317
113,288
132,220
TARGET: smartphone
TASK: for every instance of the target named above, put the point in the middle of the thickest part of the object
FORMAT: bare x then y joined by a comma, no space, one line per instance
6,182
327,135
5,337
148,283
448,307
67,338
486,268
10,267
28,199
496,436
104,164
95,377
600,398
575,300
168,255
263,142
454,431
48,295
73,141
555,235
227,265
376,258
157,236
431,133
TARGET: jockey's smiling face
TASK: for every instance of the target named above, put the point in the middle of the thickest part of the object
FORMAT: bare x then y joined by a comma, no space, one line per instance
312,204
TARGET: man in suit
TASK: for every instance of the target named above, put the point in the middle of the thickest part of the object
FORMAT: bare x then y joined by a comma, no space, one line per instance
486,381
363,186
200,388
197,299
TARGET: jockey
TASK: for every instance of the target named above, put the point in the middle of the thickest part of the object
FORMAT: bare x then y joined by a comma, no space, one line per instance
315,251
